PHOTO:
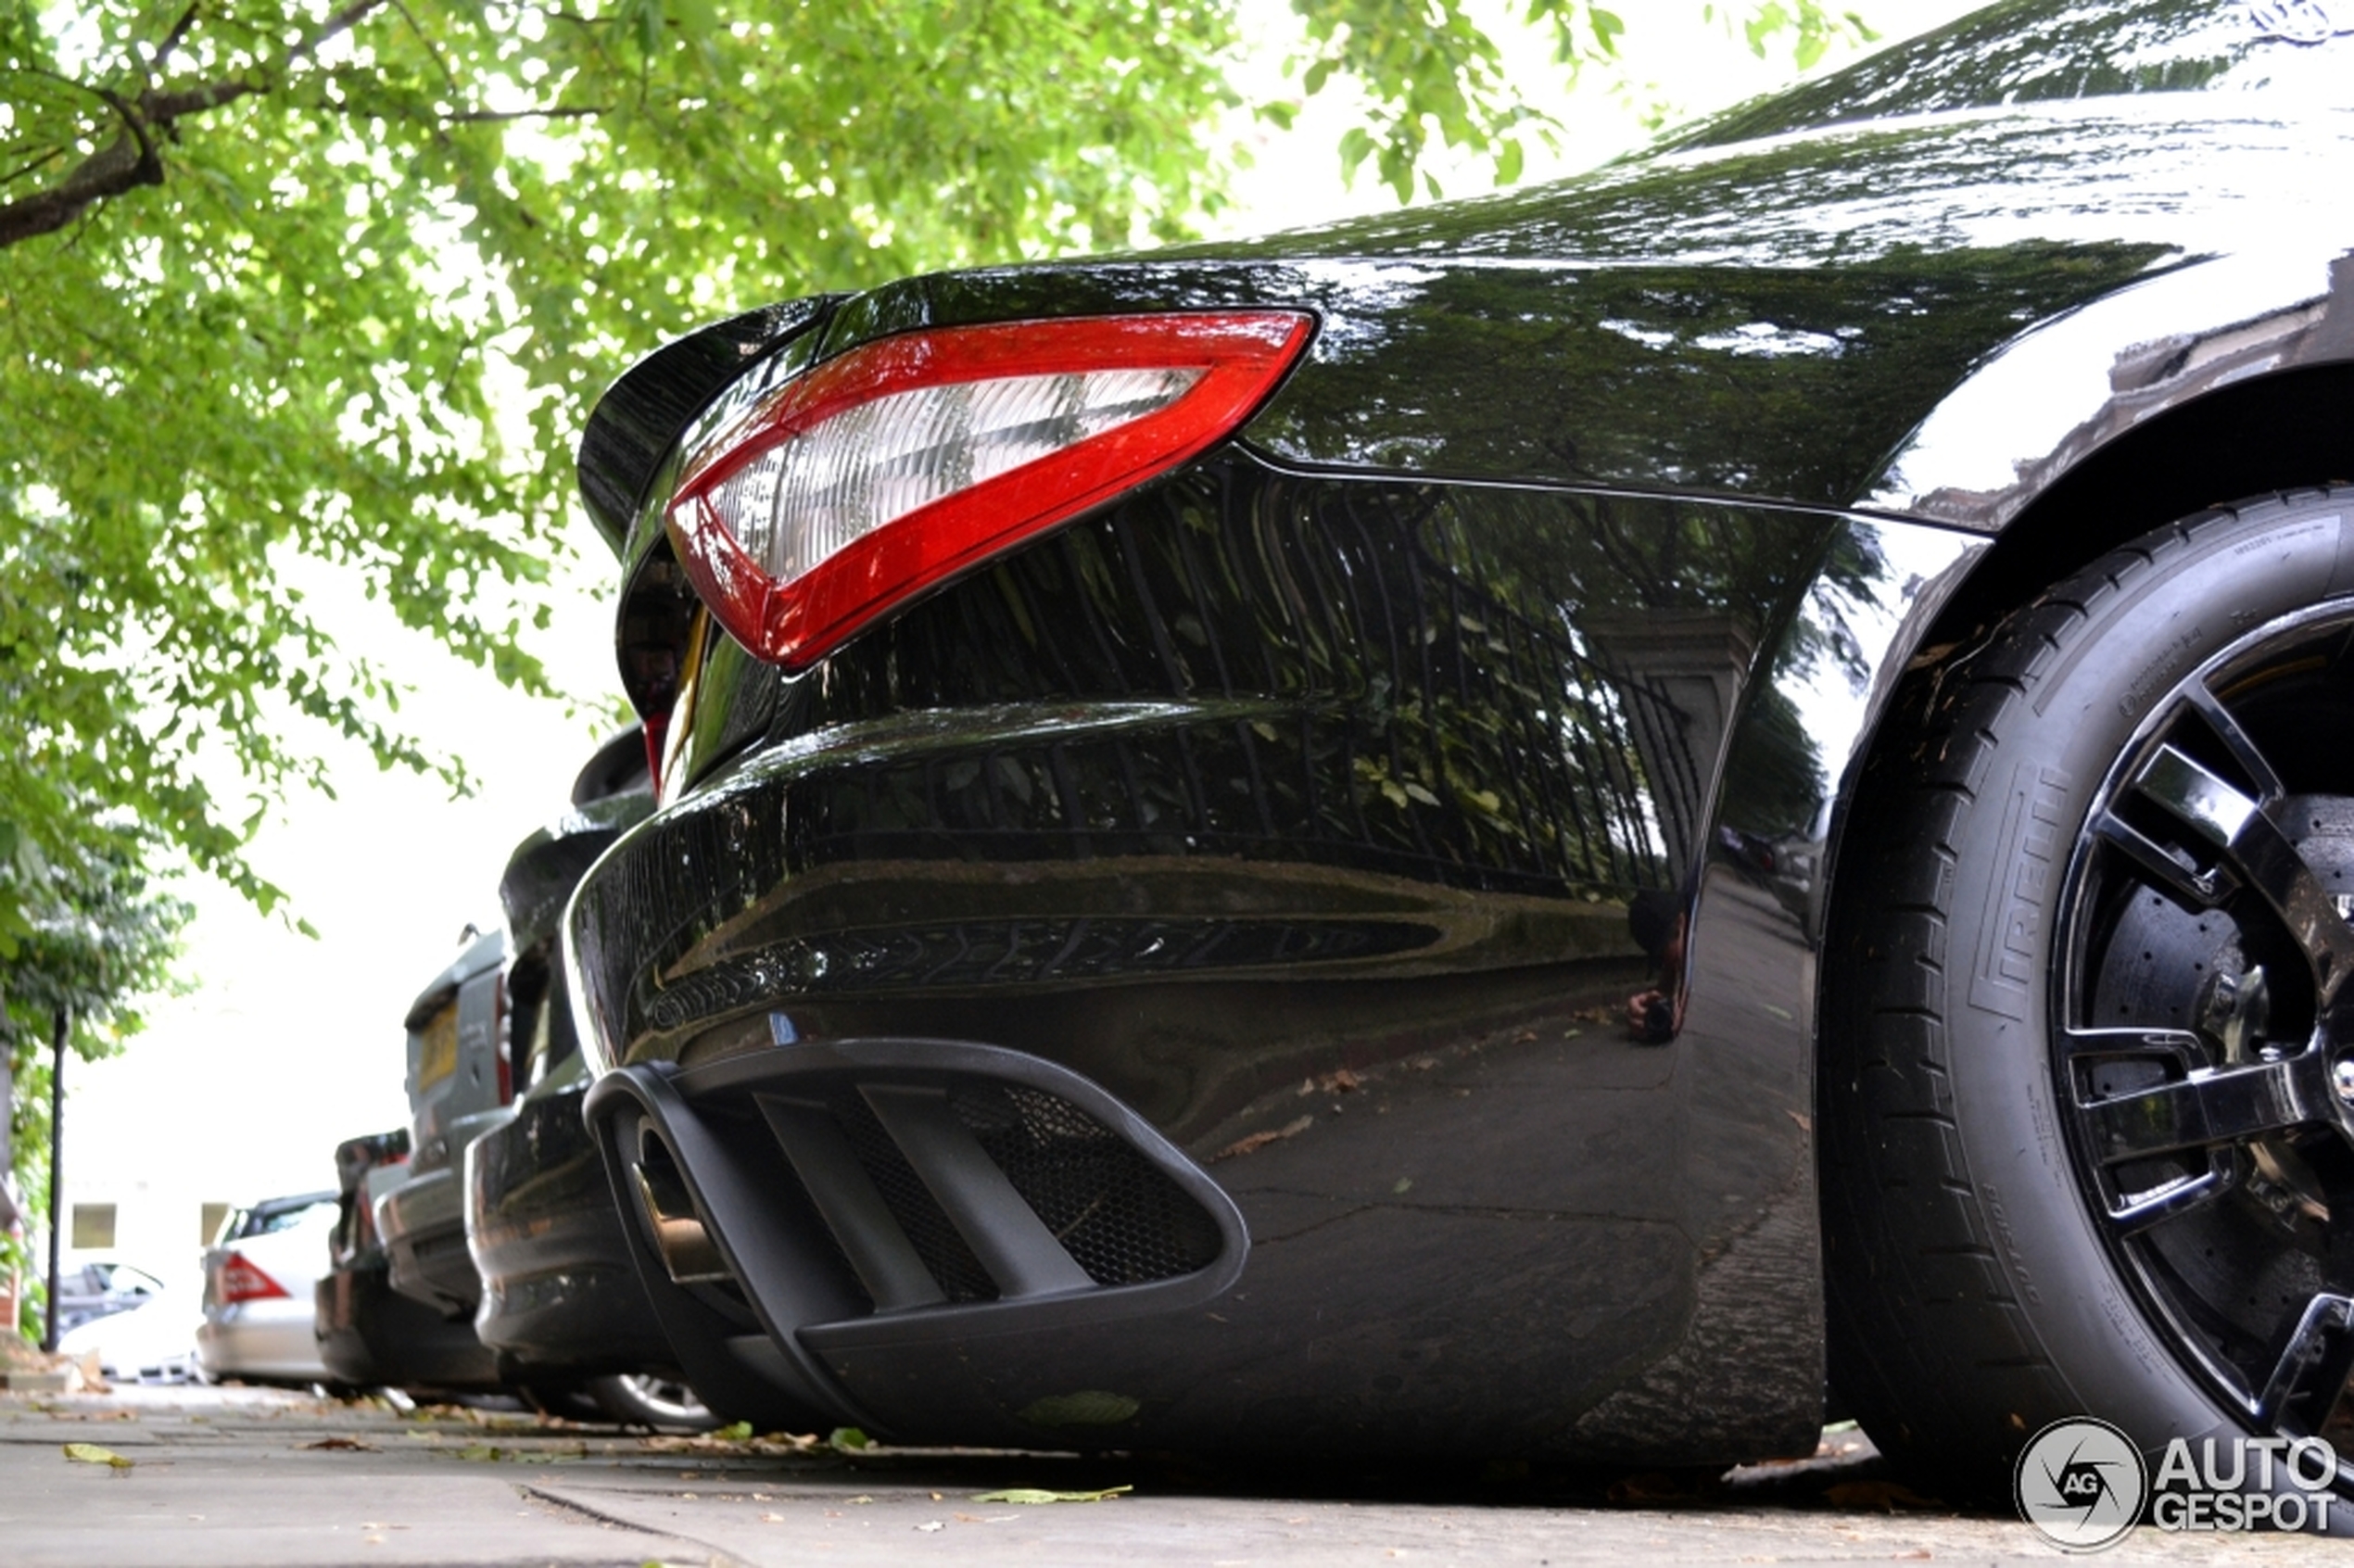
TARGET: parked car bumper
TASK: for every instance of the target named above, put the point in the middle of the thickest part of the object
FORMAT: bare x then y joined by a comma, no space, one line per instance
370,1335
274,1340
421,1224
559,1291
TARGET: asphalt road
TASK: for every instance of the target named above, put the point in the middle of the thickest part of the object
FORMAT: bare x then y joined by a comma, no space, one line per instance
259,1479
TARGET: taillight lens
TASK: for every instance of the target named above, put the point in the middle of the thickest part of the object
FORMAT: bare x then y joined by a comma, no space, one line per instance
242,1280
894,467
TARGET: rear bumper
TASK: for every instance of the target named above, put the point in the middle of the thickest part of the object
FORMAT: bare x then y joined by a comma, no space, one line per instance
423,1223
559,1291
1315,824
261,1339
370,1335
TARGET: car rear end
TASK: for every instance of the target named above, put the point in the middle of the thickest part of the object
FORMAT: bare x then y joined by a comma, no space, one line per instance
461,1085
1185,857
260,1281
1176,774
370,1335
560,1300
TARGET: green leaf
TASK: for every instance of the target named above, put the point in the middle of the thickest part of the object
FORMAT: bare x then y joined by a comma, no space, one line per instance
91,1453
1033,1495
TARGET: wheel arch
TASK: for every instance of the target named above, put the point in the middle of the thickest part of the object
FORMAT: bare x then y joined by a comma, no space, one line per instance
2289,430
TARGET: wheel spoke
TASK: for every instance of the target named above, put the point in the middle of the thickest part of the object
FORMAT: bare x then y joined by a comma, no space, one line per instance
2243,747
2190,889
2179,1198
2176,1044
2236,825
2321,1343
2210,1107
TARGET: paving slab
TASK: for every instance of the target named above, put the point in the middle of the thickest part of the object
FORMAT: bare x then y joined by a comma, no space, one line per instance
259,1479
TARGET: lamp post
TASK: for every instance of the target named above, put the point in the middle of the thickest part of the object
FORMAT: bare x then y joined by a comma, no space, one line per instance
57,1169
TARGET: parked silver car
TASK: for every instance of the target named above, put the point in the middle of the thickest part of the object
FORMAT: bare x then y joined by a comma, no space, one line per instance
260,1277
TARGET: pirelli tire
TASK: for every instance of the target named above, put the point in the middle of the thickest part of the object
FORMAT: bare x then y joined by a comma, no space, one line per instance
2015,990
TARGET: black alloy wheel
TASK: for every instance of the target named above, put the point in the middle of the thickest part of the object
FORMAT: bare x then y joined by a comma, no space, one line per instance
2089,1021
2206,996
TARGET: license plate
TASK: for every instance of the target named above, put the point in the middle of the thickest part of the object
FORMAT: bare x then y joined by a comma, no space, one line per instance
437,1047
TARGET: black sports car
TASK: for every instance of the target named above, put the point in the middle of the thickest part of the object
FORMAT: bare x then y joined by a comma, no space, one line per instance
1504,830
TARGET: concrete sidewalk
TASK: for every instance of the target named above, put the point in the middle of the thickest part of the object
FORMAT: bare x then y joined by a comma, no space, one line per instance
256,1479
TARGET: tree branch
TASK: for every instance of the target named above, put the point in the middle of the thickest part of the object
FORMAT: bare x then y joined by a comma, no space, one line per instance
132,160
171,39
50,157
125,163
476,117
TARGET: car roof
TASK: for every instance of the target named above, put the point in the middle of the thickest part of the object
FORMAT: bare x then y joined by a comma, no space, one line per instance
268,1206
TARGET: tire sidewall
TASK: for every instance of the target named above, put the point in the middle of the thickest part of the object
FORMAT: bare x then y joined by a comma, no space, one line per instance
2077,710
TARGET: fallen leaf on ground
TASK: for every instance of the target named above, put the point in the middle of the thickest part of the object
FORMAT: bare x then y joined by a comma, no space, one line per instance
351,1444
931,1524
1260,1140
90,1453
1037,1495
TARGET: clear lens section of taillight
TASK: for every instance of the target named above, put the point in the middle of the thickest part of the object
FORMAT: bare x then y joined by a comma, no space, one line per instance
830,486
899,464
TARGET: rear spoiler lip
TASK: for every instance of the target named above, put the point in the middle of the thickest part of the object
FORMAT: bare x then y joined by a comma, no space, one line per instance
637,420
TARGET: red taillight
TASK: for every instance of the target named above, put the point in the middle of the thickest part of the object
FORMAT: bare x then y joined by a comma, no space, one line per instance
242,1280
896,466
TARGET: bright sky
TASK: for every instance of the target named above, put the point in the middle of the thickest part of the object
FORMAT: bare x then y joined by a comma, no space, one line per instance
286,1045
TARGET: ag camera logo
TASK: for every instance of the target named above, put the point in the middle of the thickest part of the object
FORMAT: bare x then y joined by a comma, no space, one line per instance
2081,1484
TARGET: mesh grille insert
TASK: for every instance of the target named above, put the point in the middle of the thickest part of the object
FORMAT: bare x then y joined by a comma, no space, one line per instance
1121,1219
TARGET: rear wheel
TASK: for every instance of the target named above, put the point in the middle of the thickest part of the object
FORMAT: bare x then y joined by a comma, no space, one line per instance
2089,1010
645,1399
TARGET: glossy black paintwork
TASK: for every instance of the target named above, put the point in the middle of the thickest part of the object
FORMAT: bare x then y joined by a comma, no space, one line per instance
558,1295
1372,690
1268,783
1938,315
1809,319
641,414
1324,803
2034,52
